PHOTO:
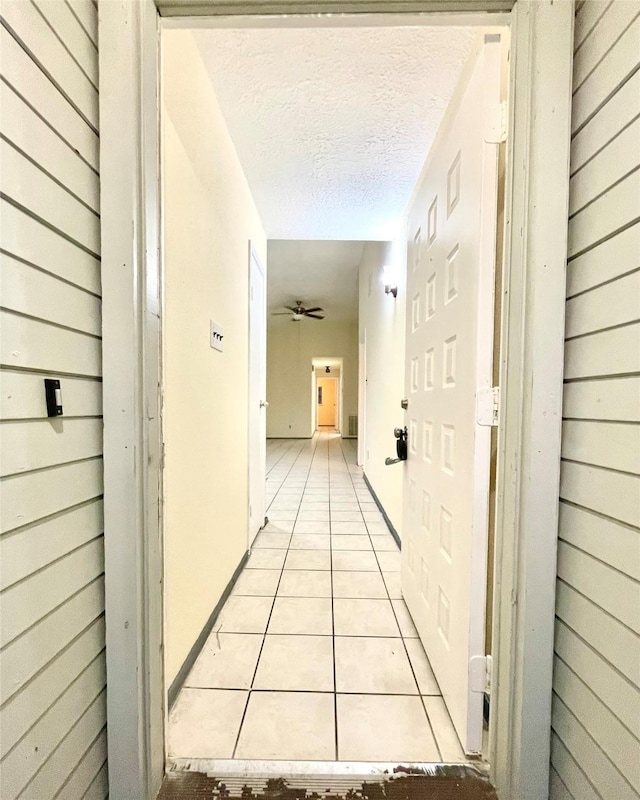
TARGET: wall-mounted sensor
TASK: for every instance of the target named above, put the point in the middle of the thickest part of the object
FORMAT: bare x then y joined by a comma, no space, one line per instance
53,393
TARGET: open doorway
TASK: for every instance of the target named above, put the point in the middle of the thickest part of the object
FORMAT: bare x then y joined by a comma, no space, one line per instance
320,605
549,25
327,376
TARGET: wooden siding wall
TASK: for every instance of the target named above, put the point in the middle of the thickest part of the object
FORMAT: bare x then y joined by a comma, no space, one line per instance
52,665
596,705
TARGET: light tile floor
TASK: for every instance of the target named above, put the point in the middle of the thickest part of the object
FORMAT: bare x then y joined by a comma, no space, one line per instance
315,656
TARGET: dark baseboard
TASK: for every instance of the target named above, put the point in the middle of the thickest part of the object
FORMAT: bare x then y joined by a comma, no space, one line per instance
392,530
190,660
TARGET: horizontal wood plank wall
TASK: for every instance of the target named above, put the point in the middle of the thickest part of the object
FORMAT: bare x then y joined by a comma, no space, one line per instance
52,638
595,740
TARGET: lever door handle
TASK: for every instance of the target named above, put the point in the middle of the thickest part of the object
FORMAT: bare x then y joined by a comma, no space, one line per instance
389,461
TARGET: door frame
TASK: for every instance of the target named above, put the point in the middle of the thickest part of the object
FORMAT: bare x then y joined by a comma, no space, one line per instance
531,377
362,397
253,256
338,385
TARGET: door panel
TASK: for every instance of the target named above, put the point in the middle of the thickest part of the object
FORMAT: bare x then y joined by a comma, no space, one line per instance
449,353
257,395
327,408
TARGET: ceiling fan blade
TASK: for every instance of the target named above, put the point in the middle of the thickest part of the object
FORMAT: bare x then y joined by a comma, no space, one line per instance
280,313
313,316
311,310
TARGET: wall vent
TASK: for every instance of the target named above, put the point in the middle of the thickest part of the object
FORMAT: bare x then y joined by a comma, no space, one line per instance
353,425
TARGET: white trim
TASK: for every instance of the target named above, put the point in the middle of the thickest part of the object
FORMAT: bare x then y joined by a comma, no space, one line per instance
129,200
529,437
532,362
477,18
253,256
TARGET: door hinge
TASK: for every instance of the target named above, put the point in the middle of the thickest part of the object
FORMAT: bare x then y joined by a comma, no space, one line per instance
497,124
480,674
488,406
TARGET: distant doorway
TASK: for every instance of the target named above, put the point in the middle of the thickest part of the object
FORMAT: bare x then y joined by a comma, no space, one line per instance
327,400
327,388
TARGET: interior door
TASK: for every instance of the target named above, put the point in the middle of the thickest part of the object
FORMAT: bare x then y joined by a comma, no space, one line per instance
257,394
327,402
449,354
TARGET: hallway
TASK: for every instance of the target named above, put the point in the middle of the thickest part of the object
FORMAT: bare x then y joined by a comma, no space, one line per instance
314,656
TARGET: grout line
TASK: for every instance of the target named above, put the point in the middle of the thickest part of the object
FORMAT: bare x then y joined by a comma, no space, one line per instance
404,644
333,618
264,636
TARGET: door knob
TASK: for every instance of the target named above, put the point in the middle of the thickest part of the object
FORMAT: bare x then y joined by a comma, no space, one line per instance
264,404
401,446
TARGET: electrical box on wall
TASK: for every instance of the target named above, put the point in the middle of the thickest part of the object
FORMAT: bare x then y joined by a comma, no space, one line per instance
53,396
216,336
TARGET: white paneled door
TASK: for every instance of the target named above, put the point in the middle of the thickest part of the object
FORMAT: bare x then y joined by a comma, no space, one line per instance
257,394
449,357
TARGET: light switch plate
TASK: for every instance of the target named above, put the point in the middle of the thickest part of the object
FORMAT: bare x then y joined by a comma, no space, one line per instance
216,336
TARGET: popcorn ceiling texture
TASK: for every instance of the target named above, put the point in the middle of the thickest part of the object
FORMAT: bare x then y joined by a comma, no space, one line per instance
332,126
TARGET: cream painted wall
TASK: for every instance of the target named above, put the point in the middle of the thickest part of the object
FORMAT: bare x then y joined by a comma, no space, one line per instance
290,349
383,319
209,217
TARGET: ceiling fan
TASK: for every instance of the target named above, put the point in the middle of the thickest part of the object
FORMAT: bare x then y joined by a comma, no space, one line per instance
299,311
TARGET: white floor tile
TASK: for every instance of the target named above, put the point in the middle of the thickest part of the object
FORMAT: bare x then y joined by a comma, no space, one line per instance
345,516
278,515
288,725
373,666
227,661
392,582
368,585
308,559
263,582
373,516
363,561
290,663
424,674
311,505
305,583
377,528
346,528
352,543
272,541
279,526
389,562
266,559
383,728
347,505
446,736
204,723
307,526
244,615
310,541
364,618
384,543
301,615
407,628
313,516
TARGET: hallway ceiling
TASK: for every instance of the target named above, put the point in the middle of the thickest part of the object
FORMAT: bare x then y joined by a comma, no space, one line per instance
317,273
332,125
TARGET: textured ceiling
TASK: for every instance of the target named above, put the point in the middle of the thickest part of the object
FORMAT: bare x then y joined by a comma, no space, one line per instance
317,273
333,125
